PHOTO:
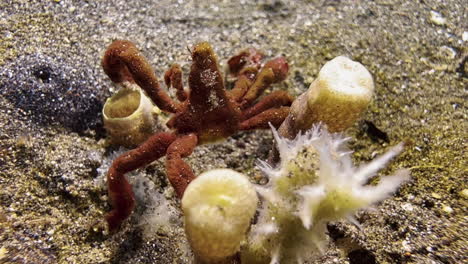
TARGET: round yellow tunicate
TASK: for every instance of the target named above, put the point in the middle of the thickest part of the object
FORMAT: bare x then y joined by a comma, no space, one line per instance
218,207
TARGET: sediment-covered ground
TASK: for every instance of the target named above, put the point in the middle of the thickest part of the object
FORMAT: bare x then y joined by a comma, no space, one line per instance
53,151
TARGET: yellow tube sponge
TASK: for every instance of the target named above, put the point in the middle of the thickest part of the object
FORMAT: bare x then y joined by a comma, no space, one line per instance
129,116
338,96
218,207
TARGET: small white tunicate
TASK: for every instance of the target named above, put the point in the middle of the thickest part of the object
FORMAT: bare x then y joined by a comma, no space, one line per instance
407,207
447,209
437,18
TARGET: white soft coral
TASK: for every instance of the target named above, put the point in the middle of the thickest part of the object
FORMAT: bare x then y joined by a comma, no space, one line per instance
315,182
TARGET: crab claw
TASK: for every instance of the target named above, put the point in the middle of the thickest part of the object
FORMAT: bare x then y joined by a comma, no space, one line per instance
246,58
280,68
203,55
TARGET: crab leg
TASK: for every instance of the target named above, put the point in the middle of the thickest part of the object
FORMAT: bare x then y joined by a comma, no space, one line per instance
179,173
120,191
274,71
273,100
249,57
173,77
123,62
243,83
275,116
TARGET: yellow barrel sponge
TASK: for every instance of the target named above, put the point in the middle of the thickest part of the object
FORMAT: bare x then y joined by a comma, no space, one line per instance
218,207
129,116
338,96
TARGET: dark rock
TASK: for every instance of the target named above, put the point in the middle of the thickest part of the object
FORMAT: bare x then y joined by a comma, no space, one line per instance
361,256
51,91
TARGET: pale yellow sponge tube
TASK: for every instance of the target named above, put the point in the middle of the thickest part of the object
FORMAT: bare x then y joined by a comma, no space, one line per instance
338,96
129,116
218,207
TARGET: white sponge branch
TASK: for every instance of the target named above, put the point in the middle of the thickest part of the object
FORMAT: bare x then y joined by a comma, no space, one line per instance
315,182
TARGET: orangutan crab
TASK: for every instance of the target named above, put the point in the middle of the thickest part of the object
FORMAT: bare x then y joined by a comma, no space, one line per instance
207,112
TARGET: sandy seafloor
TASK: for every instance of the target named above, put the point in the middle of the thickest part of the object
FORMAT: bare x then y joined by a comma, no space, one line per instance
53,146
